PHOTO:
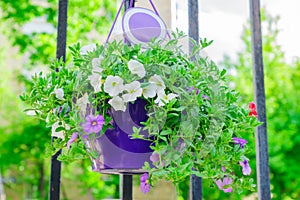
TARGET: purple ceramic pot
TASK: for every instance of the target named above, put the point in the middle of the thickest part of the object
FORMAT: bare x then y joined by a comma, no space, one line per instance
118,154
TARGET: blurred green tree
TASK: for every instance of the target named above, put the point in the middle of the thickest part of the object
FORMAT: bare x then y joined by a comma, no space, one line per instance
30,26
283,110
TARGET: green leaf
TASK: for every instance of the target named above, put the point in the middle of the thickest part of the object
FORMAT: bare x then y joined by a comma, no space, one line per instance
58,129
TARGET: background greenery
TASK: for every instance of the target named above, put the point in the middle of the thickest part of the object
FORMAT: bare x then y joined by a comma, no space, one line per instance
22,145
22,160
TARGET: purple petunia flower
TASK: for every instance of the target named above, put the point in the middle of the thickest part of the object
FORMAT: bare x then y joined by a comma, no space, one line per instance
240,141
223,169
145,186
144,177
72,139
60,109
85,137
154,157
191,89
246,167
93,124
205,97
223,184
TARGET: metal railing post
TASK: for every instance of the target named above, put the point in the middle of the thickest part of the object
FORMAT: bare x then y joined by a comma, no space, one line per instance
54,193
193,10
262,158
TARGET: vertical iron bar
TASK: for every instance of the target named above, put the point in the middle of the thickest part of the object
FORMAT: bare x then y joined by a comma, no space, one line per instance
61,40
126,187
195,188
193,10
262,159
60,53
55,176
126,180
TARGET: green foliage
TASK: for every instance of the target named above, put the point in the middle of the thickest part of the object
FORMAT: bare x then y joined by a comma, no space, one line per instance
20,142
21,153
99,186
283,111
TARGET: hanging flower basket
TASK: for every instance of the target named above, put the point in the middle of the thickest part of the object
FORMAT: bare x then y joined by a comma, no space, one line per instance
147,107
156,109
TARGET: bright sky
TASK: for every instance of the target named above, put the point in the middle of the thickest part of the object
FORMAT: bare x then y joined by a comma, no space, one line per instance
223,21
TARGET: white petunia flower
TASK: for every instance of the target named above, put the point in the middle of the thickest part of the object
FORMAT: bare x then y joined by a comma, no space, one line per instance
134,90
117,103
113,85
96,62
88,48
59,93
59,134
162,98
82,103
149,91
158,82
96,82
97,70
136,67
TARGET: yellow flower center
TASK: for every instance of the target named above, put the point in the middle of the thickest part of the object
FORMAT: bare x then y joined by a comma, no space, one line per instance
131,91
94,123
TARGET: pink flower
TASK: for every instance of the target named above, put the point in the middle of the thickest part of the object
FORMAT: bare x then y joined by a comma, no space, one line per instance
224,184
246,167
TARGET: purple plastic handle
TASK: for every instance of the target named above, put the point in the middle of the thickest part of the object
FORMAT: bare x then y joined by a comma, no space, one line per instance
118,13
114,23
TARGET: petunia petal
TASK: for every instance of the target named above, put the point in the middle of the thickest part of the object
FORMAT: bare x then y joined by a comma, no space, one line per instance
72,139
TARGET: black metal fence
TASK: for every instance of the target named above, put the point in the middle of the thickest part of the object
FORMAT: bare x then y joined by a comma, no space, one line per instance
262,161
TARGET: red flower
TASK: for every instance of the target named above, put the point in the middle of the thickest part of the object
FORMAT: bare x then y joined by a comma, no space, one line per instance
252,108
